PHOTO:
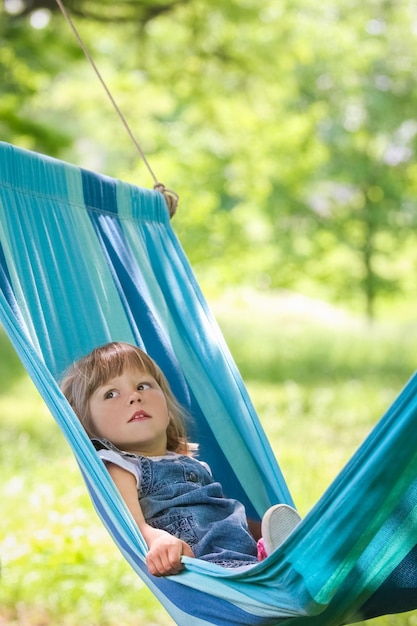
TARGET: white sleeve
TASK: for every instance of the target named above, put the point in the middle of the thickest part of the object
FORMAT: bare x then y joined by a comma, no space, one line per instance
109,456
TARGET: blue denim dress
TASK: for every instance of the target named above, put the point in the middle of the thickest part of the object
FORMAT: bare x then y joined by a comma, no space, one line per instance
178,494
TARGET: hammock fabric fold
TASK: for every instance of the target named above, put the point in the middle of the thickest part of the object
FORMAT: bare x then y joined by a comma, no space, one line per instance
85,259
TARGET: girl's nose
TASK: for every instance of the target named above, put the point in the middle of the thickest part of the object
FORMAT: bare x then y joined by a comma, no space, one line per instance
135,397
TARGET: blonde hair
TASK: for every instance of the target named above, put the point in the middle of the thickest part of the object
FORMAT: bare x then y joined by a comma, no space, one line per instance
102,364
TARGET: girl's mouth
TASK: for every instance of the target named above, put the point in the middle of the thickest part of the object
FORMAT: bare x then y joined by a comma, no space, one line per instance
139,416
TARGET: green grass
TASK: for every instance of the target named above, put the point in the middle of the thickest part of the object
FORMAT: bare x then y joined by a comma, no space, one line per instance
319,378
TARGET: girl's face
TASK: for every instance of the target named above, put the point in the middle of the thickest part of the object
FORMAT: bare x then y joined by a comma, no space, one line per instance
131,411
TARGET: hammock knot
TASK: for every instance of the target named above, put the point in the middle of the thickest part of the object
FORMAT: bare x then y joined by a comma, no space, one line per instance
171,198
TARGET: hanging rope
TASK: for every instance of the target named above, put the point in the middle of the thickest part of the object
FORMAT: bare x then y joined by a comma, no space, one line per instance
170,196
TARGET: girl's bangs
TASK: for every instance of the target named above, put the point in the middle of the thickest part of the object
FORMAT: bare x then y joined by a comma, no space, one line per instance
111,364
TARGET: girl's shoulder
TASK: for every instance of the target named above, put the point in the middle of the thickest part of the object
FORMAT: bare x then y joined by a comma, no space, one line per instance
108,453
192,459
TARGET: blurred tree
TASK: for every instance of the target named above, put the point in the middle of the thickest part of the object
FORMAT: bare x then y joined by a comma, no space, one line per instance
30,60
362,201
287,128
140,11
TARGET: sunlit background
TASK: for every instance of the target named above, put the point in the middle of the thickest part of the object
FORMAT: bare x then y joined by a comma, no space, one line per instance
289,131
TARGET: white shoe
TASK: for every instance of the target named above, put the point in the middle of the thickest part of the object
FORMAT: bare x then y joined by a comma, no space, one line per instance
277,525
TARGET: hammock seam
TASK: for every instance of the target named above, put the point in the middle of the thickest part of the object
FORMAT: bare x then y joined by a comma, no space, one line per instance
73,203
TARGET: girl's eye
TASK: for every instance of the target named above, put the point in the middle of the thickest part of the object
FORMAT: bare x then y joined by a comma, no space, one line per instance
143,386
110,394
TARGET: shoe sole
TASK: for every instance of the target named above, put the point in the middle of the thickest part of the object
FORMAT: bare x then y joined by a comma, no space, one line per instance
277,525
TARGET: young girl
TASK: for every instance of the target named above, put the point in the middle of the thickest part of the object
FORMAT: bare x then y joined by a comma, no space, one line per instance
125,404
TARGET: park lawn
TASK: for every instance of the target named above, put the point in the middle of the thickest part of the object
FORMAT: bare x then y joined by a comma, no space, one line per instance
319,378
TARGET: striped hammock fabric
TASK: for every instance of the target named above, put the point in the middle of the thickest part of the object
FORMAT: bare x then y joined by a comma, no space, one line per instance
85,259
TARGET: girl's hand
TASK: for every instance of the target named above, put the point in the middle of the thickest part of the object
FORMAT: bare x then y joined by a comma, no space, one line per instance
165,552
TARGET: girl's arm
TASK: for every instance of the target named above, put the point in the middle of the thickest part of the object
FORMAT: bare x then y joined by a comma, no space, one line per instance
165,551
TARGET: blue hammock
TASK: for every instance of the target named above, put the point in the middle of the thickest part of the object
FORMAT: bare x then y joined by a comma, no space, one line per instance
85,259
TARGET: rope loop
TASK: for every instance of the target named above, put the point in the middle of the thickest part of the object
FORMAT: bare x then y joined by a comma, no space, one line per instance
171,197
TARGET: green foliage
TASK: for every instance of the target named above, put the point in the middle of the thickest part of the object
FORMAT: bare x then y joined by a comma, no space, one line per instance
287,129
10,366
138,11
30,60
